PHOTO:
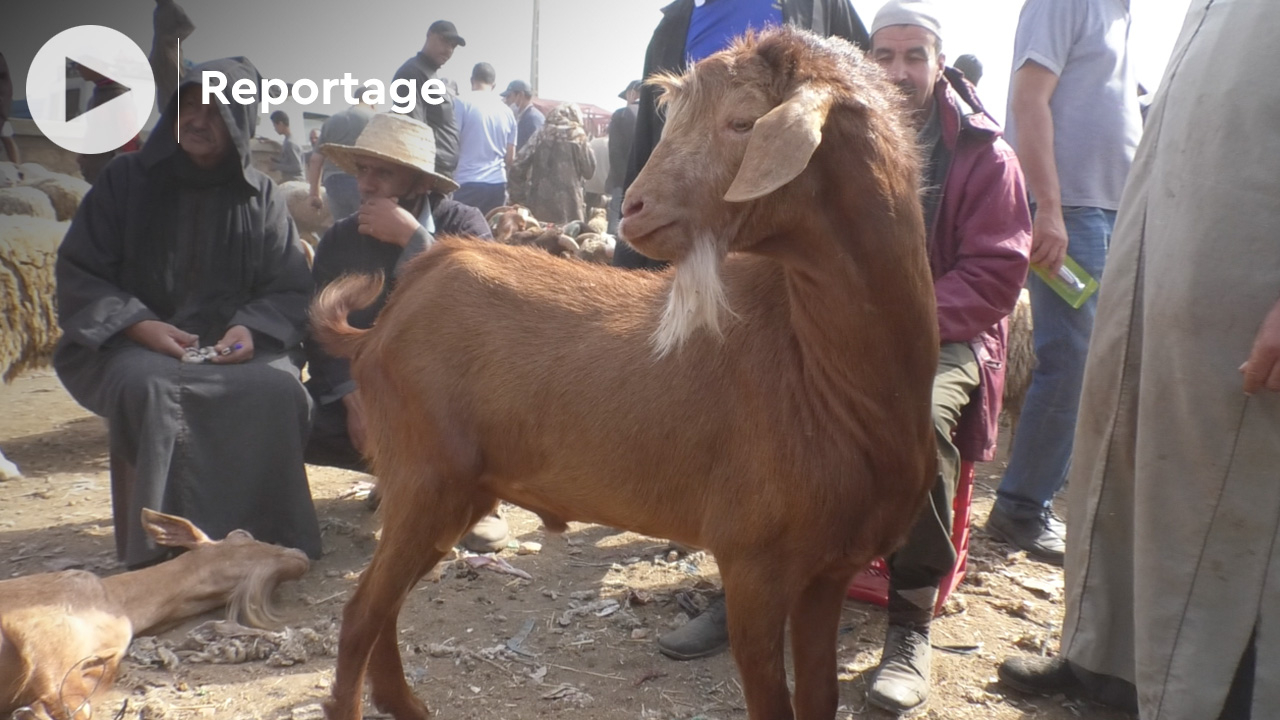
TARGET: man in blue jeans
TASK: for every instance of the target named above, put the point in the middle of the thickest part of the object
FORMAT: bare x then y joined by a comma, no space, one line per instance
1074,121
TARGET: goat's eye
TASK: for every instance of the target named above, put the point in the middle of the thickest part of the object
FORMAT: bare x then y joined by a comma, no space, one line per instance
741,126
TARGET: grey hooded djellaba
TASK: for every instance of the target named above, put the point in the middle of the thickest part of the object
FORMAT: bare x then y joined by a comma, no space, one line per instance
158,238
1173,552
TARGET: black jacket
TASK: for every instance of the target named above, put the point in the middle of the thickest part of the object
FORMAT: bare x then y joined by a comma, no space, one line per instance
666,53
344,250
440,117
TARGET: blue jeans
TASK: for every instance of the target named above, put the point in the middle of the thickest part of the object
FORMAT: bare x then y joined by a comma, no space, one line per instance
482,196
1041,453
343,194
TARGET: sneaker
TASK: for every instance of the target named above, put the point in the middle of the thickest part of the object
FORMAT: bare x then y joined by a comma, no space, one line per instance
1041,676
1042,536
901,682
702,636
488,535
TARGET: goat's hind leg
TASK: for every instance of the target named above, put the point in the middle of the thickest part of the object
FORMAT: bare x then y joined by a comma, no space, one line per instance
815,621
409,548
391,693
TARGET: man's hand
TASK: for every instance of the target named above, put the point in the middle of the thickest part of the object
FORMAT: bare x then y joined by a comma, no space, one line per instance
1262,369
385,220
1048,239
316,201
237,344
161,337
355,420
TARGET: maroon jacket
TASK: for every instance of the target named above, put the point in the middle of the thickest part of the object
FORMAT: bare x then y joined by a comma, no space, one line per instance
979,242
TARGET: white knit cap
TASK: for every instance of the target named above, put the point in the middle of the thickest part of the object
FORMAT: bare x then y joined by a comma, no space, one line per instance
921,13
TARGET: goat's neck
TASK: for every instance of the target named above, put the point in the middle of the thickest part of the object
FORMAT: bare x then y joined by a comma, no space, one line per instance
172,590
854,282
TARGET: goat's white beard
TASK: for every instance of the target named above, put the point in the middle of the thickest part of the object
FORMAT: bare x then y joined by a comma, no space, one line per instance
696,300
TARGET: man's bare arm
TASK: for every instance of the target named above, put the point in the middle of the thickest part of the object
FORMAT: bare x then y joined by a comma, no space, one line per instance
314,163
1032,87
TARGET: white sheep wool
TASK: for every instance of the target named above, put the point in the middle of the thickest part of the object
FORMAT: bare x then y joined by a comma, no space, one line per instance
28,316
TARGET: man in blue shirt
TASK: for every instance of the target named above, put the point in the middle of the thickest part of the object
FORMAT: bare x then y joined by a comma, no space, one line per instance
689,31
529,119
486,143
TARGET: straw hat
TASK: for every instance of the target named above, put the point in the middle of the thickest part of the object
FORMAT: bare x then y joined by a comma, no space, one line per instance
395,138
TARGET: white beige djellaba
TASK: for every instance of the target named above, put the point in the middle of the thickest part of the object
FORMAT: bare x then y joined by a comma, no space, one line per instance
1173,557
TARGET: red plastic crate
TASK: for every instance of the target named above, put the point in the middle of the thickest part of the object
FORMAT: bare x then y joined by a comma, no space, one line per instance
872,584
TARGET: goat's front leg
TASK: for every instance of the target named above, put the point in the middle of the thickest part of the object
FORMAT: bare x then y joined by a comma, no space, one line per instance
815,620
757,599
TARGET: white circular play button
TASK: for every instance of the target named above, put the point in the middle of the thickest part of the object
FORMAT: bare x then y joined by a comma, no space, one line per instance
108,53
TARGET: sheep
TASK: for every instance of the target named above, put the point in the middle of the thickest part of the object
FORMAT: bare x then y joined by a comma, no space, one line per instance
28,201
28,316
510,219
62,635
769,394
10,175
598,223
1020,363
312,222
550,239
64,191
34,172
595,248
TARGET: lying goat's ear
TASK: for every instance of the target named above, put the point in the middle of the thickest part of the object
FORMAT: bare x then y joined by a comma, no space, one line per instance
781,144
172,531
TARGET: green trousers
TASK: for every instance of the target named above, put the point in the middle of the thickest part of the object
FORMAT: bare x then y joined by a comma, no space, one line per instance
928,554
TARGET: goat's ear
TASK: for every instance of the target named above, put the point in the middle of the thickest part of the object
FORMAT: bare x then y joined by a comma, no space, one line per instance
173,531
781,144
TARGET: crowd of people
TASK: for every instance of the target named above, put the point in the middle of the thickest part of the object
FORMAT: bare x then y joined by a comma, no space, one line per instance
1168,545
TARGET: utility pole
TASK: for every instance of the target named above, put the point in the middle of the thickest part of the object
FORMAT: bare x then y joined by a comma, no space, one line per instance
533,60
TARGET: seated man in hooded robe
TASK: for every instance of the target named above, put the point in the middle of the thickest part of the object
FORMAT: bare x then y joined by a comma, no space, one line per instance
178,247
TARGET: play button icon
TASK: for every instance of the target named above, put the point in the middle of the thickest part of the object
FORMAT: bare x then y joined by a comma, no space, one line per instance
108,54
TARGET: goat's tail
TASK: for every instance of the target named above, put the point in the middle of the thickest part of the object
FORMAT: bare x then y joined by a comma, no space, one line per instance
329,312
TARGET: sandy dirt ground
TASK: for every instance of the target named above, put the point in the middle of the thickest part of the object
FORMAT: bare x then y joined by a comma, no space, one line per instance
582,627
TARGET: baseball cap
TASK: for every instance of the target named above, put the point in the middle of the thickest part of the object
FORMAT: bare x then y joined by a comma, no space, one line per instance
516,86
446,30
633,85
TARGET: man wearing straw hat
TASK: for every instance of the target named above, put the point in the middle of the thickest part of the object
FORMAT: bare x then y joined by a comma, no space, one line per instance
402,208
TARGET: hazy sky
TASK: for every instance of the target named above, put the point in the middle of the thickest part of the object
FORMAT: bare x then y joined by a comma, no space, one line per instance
590,49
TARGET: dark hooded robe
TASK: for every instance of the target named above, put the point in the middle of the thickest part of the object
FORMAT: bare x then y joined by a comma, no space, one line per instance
158,238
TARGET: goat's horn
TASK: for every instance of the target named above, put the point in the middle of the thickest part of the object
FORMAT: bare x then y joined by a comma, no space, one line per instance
568,243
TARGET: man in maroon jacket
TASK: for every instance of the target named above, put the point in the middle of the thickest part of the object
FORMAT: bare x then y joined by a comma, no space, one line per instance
979,235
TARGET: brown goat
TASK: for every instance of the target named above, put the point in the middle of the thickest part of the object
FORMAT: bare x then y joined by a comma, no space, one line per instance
62,635
789,431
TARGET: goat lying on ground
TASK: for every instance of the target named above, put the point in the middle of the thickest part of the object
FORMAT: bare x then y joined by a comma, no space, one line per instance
772,406
62,635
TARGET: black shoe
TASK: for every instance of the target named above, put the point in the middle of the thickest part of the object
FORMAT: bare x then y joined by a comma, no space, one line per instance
1041,676
901,682
1042,536
1056,676
702,636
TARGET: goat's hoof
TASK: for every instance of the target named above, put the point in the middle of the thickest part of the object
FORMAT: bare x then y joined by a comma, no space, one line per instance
406,707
